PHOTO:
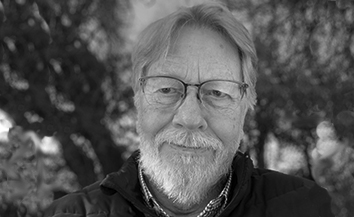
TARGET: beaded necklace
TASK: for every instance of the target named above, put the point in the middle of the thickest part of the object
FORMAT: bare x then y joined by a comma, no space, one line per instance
213,208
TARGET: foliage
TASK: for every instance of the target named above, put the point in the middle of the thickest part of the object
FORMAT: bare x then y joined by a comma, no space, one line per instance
30,174
306,76
60,66
306,52
333,168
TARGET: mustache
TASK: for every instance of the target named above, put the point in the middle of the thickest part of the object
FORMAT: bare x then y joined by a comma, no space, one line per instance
192,139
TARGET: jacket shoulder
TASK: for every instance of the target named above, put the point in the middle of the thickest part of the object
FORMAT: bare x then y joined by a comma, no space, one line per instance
277,183
285,194
90,202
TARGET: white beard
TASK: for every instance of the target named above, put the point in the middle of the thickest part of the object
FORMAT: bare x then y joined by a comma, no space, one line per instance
186,179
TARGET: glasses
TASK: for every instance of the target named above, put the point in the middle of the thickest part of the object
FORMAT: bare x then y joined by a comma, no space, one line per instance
169,91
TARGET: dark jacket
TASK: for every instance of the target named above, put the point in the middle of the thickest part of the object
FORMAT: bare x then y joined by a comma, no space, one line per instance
254,192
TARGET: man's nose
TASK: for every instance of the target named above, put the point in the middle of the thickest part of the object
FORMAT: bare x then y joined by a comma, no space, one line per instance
189,114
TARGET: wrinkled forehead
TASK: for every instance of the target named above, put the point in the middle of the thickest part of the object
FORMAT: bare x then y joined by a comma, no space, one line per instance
179,67
197,49
169,64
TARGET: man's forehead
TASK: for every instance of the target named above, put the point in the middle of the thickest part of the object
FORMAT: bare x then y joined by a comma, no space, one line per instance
173,64
179,65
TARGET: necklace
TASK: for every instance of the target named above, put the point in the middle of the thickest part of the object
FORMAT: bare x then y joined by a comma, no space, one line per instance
213,208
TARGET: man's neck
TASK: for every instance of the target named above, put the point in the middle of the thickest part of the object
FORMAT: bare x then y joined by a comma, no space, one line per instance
173,208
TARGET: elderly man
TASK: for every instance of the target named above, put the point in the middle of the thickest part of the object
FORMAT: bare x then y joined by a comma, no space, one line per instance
194,80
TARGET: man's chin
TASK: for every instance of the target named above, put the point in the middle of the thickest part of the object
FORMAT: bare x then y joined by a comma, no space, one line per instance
186,178
182,182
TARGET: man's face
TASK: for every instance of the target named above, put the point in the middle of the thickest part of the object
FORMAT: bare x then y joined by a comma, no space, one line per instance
186,148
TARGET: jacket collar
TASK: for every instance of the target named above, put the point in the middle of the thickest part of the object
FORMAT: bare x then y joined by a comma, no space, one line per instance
240,188
126,182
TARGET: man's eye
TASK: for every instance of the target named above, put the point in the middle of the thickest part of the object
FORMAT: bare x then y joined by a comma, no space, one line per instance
167,90
217,94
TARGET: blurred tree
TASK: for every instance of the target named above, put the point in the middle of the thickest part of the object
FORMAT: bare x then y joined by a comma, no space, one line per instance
306,75
333,168
59,75
306,70
31,173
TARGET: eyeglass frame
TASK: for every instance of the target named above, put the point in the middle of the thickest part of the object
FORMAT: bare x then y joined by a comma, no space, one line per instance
243,86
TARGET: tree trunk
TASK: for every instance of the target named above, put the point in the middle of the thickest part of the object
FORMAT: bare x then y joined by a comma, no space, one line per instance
264,125
78,162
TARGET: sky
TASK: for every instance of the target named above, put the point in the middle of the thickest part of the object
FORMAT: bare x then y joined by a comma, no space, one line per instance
5,122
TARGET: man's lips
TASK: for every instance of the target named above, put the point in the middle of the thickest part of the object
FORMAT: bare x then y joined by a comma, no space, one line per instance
184,148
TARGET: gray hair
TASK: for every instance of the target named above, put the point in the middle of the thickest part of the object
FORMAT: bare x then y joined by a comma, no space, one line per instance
154,42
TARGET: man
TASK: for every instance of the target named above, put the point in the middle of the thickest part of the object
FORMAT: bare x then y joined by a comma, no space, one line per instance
194,80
